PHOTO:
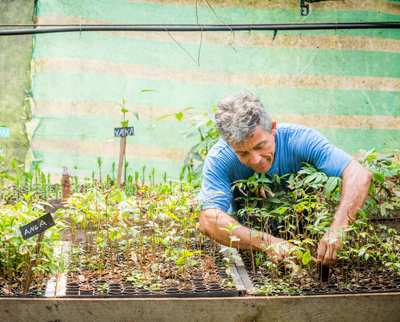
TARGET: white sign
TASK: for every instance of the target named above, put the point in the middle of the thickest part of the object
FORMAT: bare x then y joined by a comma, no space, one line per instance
4,132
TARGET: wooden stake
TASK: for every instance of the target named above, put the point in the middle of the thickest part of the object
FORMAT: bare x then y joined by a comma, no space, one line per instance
121,159
66,184
28,280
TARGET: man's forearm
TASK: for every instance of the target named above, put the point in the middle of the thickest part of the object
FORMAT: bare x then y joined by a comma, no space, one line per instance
212,220
356,182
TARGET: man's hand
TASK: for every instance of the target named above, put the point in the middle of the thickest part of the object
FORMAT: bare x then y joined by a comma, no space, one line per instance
328,247
213,223
280,250
356,182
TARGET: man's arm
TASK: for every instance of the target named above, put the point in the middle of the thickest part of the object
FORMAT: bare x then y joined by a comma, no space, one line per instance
356,182
212,220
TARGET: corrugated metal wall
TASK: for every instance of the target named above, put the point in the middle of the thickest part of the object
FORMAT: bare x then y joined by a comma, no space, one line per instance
346,84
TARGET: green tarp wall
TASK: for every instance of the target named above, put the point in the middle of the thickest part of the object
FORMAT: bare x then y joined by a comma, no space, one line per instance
346,83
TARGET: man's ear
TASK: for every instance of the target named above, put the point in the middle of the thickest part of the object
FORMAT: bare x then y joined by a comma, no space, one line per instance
273,131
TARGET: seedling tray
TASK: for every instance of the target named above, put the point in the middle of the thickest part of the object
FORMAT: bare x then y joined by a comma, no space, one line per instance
194,287
363,285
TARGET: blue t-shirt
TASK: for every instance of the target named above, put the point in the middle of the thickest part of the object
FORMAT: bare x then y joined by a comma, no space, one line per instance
295,144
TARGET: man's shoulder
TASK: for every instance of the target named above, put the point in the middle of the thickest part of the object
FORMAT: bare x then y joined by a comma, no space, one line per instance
222,157
295,134
219,148
291,128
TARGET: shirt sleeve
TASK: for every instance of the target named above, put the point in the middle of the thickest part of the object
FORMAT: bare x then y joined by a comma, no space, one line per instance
215,188
318,151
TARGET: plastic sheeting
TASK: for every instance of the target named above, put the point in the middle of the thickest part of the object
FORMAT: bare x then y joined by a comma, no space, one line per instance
344,83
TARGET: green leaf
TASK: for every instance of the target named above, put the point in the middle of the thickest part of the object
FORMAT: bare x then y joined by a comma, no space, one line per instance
199,169
179,116
331,184
124,110
79,218
236,257
371,157
17,170
7,177
192,262
125,124
371,202
306,257
186,160
121,196
165,116
379,177
331,240
16,241
172,216
386,157
310,178
371,188
197,156
53,268
134,111
274,200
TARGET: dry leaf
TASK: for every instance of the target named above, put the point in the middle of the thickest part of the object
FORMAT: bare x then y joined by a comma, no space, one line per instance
5,291
262,192
270,193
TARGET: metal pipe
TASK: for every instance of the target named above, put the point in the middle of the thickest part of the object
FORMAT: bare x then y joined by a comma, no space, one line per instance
197,28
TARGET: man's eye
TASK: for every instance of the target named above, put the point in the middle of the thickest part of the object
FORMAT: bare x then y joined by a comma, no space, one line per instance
259,147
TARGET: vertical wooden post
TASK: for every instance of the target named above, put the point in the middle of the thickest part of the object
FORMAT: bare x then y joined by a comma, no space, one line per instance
66,184
121,159
28,279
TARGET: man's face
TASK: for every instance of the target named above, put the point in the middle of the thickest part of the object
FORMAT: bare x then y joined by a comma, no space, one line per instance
259,151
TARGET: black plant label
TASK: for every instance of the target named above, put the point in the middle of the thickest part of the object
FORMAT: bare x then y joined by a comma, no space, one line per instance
37,226
123,131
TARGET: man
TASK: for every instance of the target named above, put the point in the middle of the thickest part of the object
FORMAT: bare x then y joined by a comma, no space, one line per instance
252,141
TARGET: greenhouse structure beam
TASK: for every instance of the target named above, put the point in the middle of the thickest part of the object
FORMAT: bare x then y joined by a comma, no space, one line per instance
198,28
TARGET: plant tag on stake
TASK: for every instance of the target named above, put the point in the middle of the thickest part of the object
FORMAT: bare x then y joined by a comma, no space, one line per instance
37,226
123,131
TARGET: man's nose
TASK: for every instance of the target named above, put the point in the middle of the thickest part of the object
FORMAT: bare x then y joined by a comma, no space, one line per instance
255,158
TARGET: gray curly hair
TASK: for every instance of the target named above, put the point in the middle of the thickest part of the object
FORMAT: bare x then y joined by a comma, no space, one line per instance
238,116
